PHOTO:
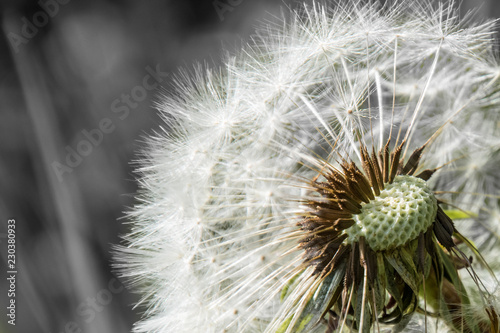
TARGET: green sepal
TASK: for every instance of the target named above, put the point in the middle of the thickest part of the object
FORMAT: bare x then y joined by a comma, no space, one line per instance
325,296
319,303
402,262
392,288
358,309
451,272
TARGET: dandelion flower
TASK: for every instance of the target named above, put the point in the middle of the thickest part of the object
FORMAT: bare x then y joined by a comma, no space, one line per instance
316,182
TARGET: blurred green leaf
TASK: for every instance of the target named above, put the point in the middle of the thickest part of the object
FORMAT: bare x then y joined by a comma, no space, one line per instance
456,214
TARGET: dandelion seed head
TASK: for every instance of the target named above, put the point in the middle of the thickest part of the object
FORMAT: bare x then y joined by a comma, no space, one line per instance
306,185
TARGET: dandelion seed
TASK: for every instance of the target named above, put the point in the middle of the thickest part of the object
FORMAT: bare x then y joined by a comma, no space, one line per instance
318,182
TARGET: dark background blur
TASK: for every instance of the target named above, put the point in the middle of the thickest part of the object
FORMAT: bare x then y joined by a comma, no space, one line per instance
78,82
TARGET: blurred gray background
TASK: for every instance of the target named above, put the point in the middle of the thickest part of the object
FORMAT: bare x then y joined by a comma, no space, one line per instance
78,82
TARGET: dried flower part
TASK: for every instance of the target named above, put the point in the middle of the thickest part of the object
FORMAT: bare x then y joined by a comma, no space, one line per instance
390,216
388,207
387,243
